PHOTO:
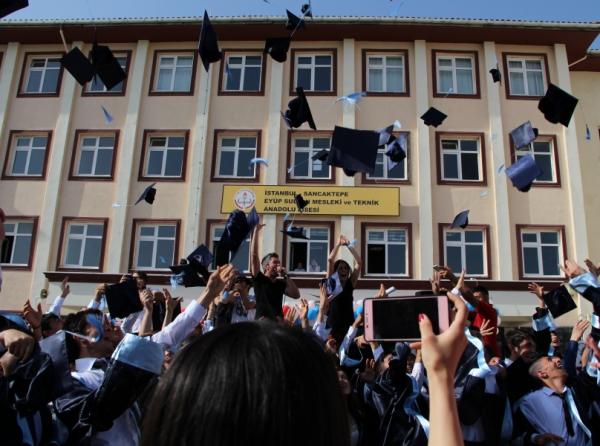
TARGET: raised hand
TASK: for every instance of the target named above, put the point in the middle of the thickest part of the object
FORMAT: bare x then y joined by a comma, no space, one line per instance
33,316
17,343
486,329
571,269
538,290
323,299
65,288
303,308
369,374
219,278
291,316
343,240
147,299
381,292
170,301
578,329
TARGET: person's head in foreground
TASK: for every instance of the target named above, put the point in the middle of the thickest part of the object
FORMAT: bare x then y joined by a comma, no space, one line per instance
550,371
249,384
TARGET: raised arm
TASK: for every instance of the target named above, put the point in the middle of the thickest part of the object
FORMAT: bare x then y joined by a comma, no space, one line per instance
254,256
60,300
146,324
357,264
170,305
333,255
291,289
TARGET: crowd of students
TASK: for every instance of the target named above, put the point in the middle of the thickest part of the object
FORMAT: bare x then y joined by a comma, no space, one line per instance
237,367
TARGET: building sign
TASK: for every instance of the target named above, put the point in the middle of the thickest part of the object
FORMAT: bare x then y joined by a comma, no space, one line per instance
380,201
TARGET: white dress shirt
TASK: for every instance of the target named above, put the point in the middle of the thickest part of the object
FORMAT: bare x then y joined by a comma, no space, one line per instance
56,305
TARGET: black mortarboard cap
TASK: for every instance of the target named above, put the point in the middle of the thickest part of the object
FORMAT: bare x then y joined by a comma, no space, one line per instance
306,9
78,65
295,232
519,380
433,117
9,6
55,346
298,111
107,66
461,220
187,275
559,301
201,255
236,230
523,173
354,150
496,76
123,299
395,151
523,135
386,135
209,44
321,155
293,21
301,202
148,194
557,105
277,48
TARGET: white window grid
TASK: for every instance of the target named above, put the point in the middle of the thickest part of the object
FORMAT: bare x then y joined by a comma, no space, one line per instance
383,67
538,245
179,62
43,65
94,148
83,237
27,144
154,146
458,150
17,232
462,244
309,232
384,161
453,69
313,65
235,149
242,68
97,86
154,238
386,240
310,150
217,233
533,149
524,70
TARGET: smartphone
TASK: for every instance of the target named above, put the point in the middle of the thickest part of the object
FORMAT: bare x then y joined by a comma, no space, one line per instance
396,318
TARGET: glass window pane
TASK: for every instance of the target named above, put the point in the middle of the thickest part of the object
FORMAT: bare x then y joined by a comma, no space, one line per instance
234,77
228,142
462,62
226,164
304,60
9,227
453,236
301,142
158,141
376,236
549,237
94,230
6,249
185,61
550,260
236,60
166,231
533,64
450,166
104,162
375,258
304,79
322,78
183,78
517,83
464,82
174,163
379,166
397,235
164,253
21,250
145,248
375,60
248,142
301,164
85,162
473,236
470,166
318,255
76,229
107,141
33,83
322,60
468,145
395,80
39,141
298,254
398,171
321,143
445,62
23,142
320,169
252,79
530,261
36,162
253,60
529,237
25,228
515,64
50,81
164,79
396,259
544,162
445,81
535,83
241,256
319,233
91,254
147,231
375,79
244,168
176,141
73,251
19,162
474,259
453,257
167,61
155,160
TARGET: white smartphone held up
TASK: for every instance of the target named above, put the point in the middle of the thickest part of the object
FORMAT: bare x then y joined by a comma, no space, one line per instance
396,318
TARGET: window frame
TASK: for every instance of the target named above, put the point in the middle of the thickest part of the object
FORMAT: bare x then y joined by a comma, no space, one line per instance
149,133
10,149
155,66
314,52
487,255
553,155
34,231
367,52
523,56
118,53
365,227
242,52
211,224
562,249
76,154
291,136
365,177
136,223
474,55
285,251
439,136
27,58
64,238
218,134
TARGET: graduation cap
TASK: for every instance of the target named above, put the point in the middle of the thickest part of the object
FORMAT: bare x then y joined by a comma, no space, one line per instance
386,134
557,105
433,117
396,151
306,9
106,66
496,76
201,255
523,173
523,135
208,48
298,111
295,232
9,6
321,155
277,48
293,21
301,202
236,230
55,346
78,65
148,194
461,220
123,299
187,275
559,301
354,150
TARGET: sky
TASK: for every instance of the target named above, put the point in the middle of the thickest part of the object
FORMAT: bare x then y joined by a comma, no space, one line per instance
573,10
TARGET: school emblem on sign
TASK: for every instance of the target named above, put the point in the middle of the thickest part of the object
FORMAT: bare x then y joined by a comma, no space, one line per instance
244,199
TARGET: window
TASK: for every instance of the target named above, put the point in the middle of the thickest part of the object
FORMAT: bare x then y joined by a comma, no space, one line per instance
309,256
541,252
42,75
542,150
387,251
96,86
174,72
155,245
243,73
242,256
314,72
466,248
164,156
27,155
302,165
461,159
456,74
526,74
383,165
386,73
17,247
83,245
233,154
94,155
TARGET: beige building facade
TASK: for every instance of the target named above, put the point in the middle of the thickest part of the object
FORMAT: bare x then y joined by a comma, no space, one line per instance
74,159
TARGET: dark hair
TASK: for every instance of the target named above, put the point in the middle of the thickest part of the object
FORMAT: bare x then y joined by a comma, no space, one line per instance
266,259
246,384
47,319
337,263
481,289
515,337
76,323
142,275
